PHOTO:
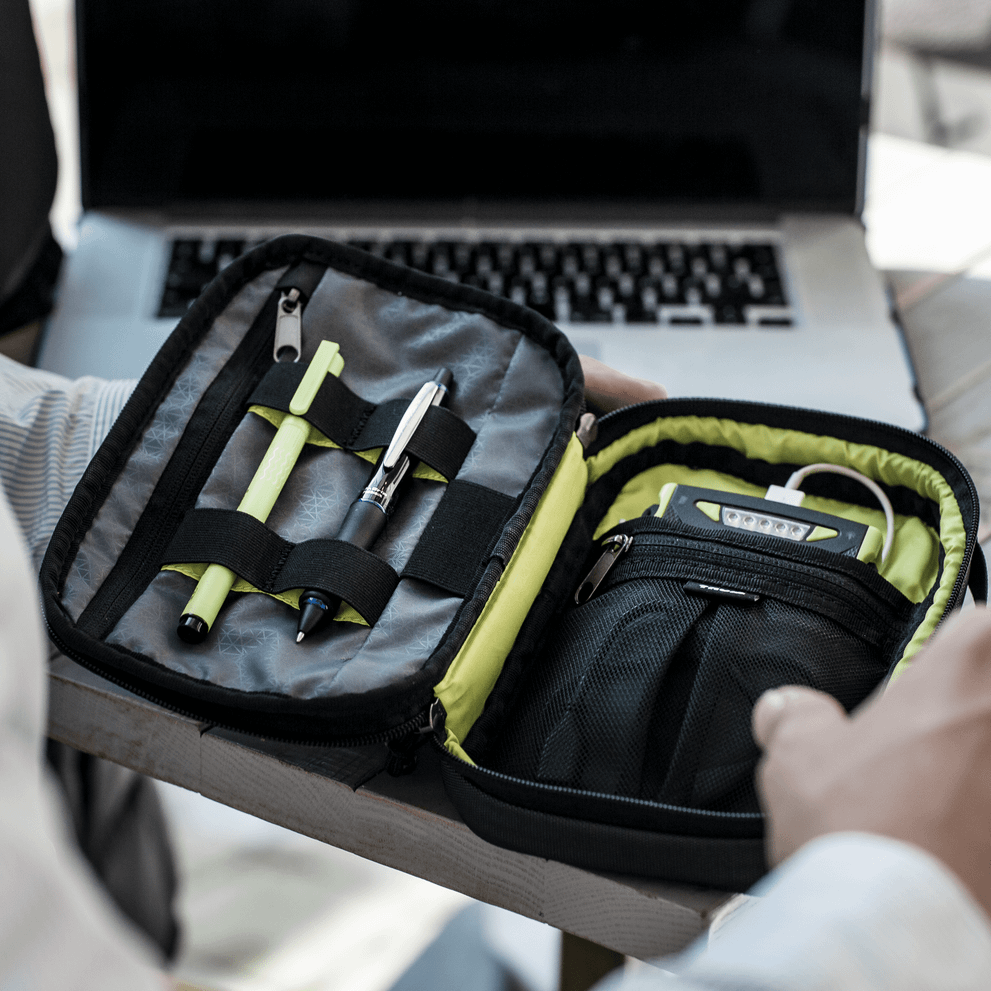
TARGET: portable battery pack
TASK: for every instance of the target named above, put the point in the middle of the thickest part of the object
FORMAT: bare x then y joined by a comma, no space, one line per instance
717,510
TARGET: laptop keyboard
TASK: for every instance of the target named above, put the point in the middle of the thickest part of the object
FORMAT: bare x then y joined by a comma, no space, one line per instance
620,282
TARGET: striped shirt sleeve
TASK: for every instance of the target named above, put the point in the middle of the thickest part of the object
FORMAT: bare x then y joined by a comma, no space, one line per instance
50,427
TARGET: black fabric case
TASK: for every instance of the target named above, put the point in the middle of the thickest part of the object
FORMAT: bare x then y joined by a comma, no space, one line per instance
614,734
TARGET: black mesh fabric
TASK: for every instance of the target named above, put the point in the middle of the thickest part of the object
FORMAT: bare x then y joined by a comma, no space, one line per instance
646,690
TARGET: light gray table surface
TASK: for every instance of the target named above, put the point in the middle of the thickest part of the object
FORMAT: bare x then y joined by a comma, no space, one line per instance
345,798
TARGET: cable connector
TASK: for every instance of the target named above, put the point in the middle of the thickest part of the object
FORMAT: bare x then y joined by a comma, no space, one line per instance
778,493
793,496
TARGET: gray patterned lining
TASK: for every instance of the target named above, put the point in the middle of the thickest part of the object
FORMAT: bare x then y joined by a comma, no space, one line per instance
119,514
507,388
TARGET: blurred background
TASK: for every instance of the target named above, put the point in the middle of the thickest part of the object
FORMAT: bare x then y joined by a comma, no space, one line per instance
268,910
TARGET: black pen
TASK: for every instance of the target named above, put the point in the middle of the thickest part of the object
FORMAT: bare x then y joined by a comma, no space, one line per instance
366,516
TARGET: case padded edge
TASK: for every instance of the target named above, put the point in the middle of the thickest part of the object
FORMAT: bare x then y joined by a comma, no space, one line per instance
730,864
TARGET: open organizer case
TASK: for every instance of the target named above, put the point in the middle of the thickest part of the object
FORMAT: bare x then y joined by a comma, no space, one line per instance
613,734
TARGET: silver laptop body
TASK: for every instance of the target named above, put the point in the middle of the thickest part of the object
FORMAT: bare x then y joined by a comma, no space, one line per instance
680,142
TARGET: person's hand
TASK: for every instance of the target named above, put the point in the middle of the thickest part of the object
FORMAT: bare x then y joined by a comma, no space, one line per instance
912,763
609,389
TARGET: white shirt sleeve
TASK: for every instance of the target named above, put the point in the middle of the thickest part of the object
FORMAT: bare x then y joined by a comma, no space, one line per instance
58,932
50,427
850,911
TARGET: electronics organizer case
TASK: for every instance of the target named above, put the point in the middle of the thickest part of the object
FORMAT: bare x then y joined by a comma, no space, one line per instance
614,735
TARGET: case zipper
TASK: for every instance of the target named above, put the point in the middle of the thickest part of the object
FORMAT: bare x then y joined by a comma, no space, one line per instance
480,771
288,344
614,548
402,749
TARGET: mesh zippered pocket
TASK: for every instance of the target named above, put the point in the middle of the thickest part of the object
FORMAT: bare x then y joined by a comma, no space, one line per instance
646,690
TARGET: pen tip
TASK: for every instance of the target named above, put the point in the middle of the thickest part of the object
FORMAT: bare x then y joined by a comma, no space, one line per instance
299,636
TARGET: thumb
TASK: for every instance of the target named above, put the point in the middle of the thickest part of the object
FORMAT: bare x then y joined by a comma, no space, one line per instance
610,388
796,707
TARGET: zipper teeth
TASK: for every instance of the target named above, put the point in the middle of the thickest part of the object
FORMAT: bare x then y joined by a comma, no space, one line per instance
968,554
781,569
774,558
622,799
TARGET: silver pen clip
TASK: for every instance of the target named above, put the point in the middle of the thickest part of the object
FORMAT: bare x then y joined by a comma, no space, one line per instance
429,395
289,327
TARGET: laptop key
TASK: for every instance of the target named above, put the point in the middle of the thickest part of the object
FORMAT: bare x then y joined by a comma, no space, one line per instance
462,252
717,257
527,263
547,252
727,313
506,258
419,255
590,258
675,258
605,296
206,252
633,258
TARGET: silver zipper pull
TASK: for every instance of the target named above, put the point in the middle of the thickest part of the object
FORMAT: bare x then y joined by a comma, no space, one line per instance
289,328
612,550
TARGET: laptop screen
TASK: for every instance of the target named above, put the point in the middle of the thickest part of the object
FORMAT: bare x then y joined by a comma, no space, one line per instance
281,101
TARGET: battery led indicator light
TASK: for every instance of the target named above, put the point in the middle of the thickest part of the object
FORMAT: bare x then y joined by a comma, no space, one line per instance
761,523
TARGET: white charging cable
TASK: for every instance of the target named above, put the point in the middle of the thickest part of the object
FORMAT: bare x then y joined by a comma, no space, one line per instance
791,494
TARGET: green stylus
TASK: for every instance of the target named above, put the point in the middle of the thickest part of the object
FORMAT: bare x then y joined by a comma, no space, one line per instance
216,582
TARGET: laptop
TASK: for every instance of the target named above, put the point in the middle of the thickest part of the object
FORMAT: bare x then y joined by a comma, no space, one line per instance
678,187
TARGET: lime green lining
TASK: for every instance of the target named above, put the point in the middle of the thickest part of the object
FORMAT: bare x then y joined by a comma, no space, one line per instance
473,672
913,563
275,417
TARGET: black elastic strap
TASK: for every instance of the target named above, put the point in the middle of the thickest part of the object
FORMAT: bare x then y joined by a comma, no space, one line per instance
270,563
459,537
304,276
442,440
335,411
353,574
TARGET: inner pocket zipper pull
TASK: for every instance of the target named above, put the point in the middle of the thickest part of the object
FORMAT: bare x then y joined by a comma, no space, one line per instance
613,548
289,327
